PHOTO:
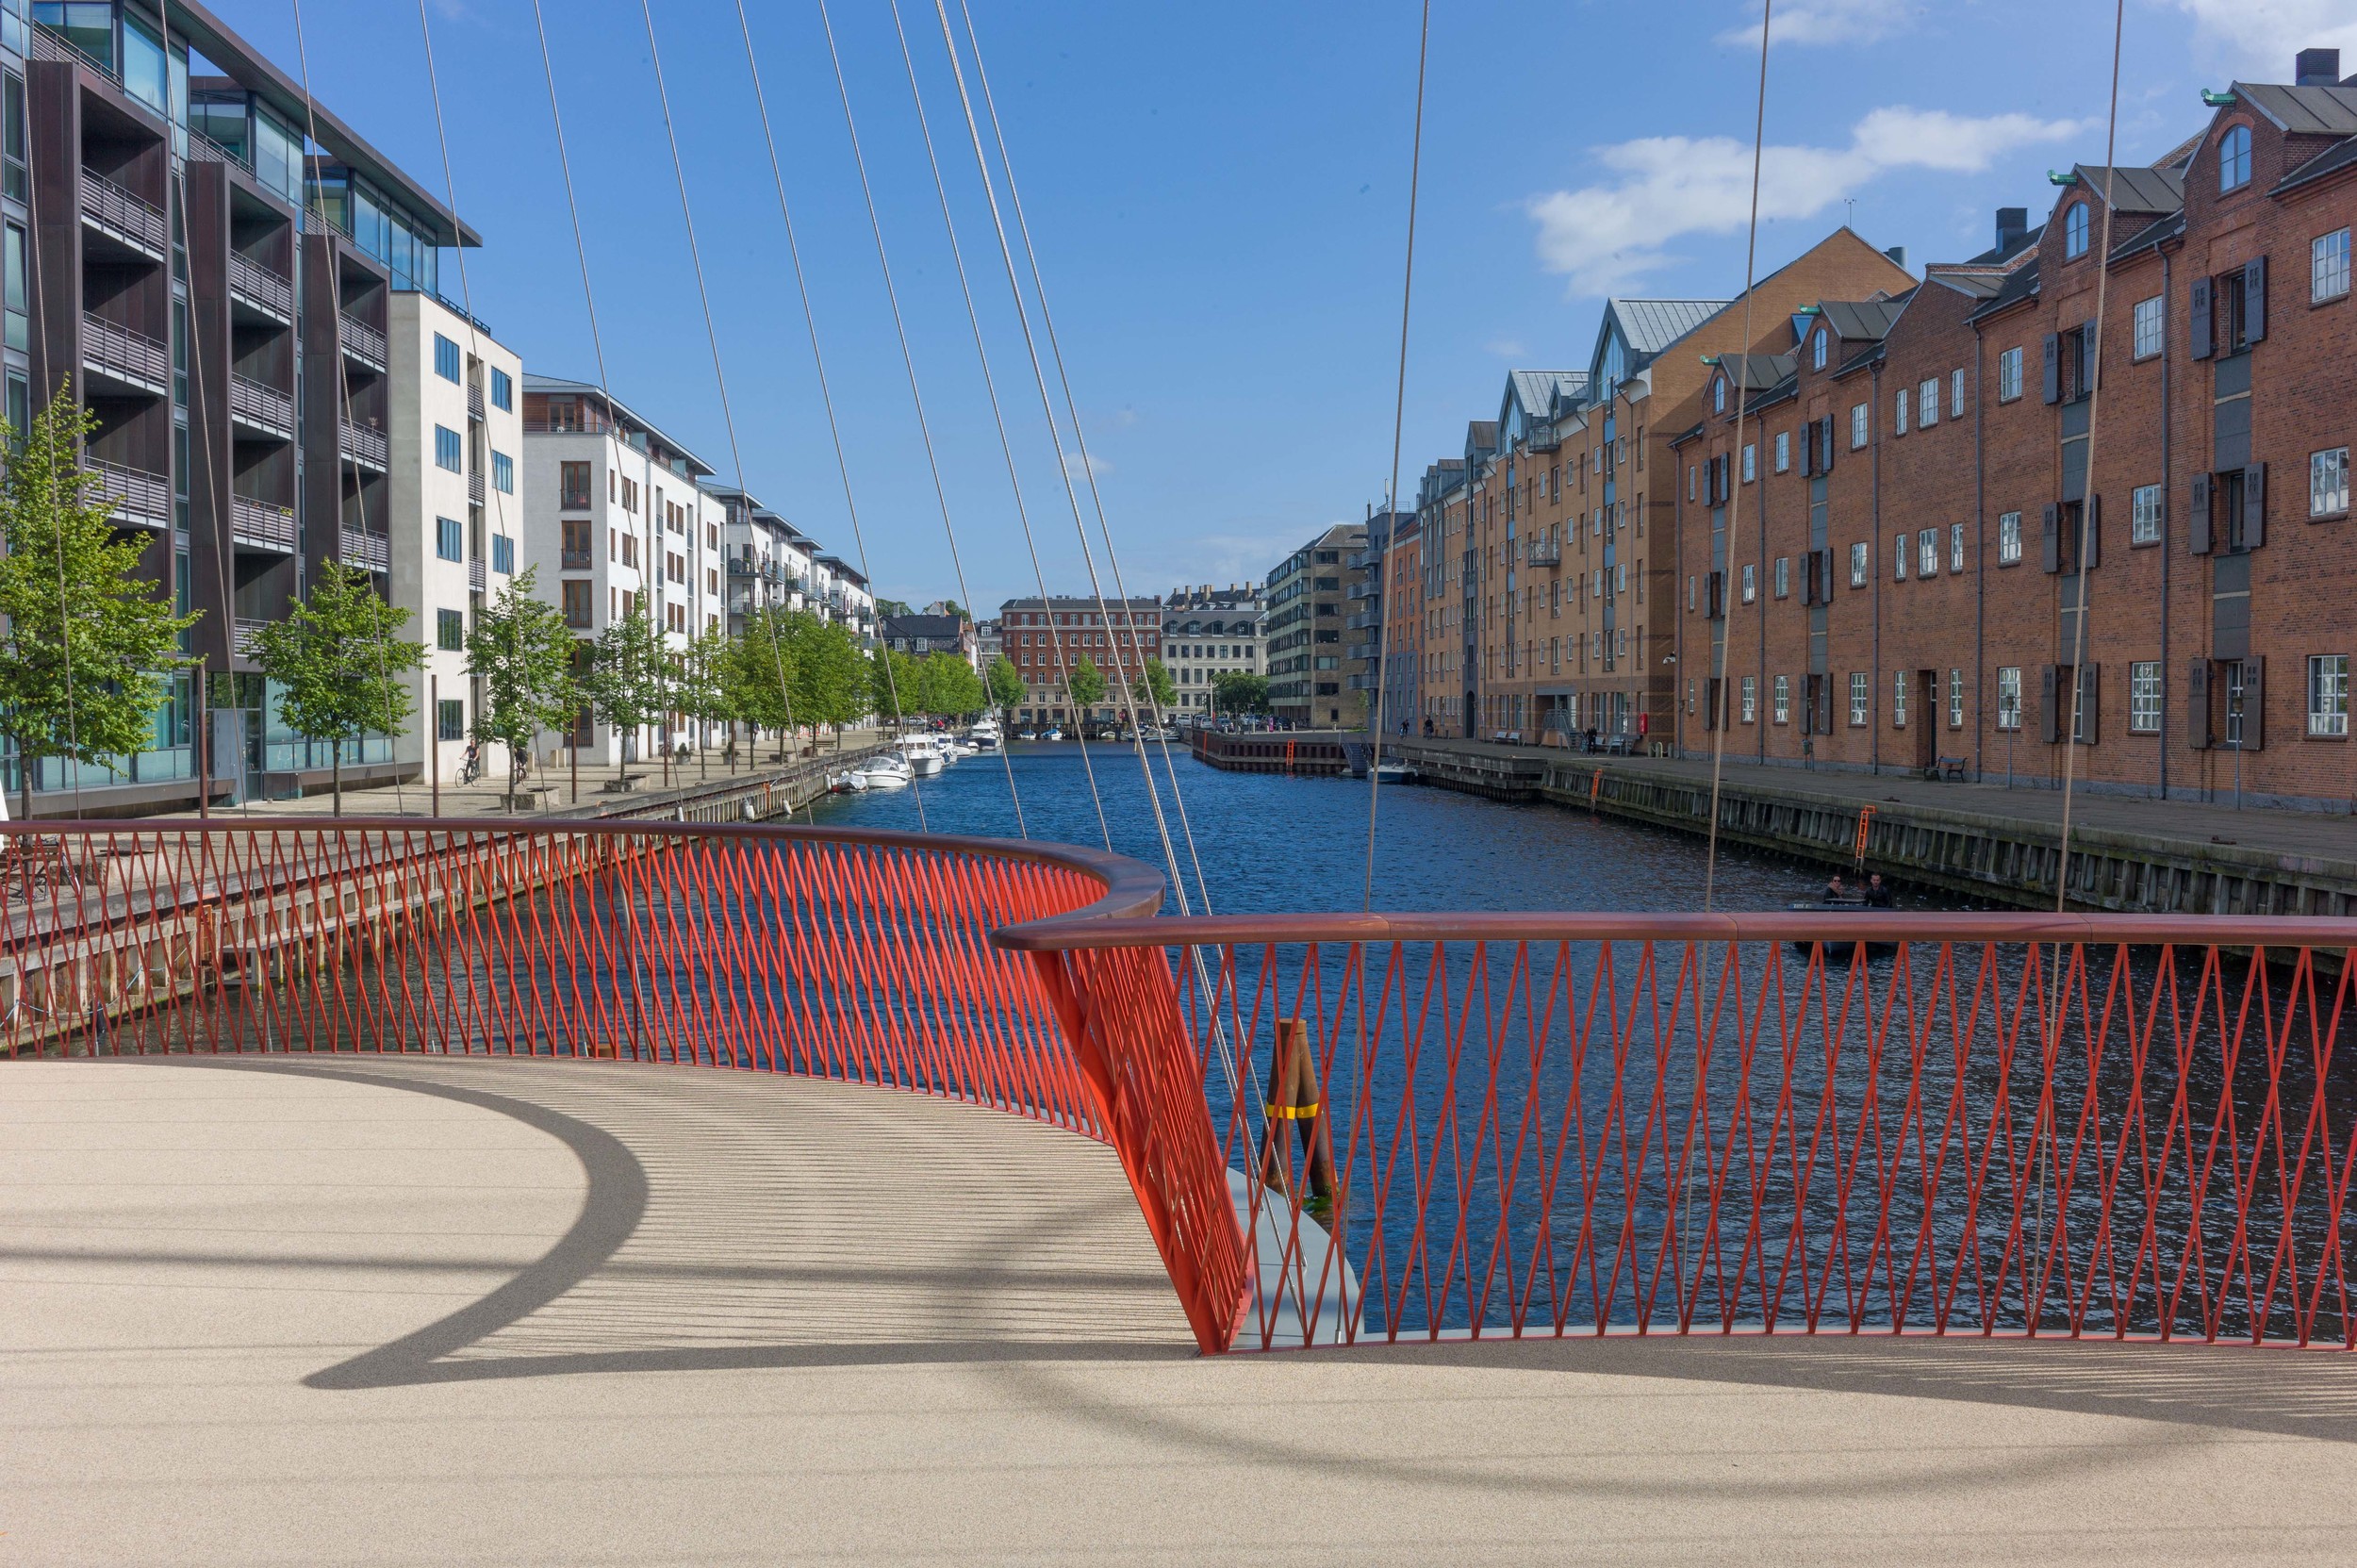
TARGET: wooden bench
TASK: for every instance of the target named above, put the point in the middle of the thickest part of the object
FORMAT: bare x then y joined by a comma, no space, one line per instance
1950,768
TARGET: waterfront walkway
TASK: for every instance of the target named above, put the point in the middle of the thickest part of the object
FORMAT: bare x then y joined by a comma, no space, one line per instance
377,1311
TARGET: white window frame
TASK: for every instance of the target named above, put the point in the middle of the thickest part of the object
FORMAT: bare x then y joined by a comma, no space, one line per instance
1898,699
1751,461
2143,697
1780,696
1821,348
2151,328
1858,564
2327,696
1784,450
2009,696
2328,482
1955,547
1955,393
1927,552
1857,426
1751,699
2008,375
1861,700
1927,403
1784,577
1899,545
2008,538
1751,583
2328,267
2144,515
1899,412
1956,699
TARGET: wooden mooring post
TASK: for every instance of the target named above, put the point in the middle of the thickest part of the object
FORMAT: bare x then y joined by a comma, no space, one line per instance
1293,1096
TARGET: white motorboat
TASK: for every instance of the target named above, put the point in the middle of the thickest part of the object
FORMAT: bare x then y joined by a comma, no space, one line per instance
923,755
1026,735
1052,734
984,737
847,784
889,772
1394,772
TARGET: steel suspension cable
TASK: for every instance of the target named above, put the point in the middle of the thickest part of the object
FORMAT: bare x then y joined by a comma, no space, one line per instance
908,360
990,382
1399,416
1080,440
1715,688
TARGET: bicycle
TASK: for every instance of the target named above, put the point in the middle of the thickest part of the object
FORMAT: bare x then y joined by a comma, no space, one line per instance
471,765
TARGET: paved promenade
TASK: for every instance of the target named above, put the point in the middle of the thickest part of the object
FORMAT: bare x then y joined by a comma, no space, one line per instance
360,1312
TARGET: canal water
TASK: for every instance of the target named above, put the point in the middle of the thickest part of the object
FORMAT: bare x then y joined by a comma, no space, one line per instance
1270,844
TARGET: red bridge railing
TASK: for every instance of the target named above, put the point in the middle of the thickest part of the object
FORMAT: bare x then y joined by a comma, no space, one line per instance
1939,1124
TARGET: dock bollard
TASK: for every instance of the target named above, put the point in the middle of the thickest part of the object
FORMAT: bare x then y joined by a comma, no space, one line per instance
1293,1096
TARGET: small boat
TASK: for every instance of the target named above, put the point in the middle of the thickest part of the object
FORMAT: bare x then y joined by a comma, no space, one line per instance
923,757
1393,773
1837,949
889,772
1053,735
1151,733
1026,735
984,737
847,784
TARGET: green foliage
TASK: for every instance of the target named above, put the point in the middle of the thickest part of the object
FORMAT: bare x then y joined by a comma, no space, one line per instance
339,659
1085,682
1239,692
895,686
700,684
521,651
1158,687
950,687
629,676
1006,683
90,647
757,671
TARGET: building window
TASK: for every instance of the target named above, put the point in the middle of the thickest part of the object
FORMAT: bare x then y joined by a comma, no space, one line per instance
1898,557
1857,426
1955,394
19,293
1956,699
2328,482
1718,395
1861,698
450,719
1820,349
578,604
2144,515
503,473
1751,461
503,391
448,450
2008,538
2144,698
450,540
1927,552
1780,696
573,486
1955,547
446,360
503,553
2328,694
1751,583
1690,590
2009,376
1784,450
1898,699
2075,231
2148,327
2009,698
1927,403
1898,413
1784,576
450,631
1750,699
2327,266
1858,565
2234,159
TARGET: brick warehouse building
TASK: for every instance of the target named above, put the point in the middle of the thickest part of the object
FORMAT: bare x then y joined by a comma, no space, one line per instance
1044,638
1570,541
1906,571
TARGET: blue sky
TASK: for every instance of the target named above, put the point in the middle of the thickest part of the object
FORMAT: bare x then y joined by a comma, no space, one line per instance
1218,194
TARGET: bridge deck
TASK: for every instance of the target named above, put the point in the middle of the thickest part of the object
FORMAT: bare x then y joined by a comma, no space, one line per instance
363,1311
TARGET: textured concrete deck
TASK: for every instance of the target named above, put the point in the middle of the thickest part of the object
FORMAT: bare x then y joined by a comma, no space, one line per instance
374,1311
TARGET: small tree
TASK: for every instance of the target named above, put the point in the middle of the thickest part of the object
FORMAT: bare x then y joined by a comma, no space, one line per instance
700,688
339,659
951,688
90,646
630,678
1156,686
760,673
521,651
1085,684
1240,691
830,674
1006,686
895,686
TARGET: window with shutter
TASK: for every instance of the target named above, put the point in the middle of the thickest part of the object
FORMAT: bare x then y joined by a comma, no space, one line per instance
2254,299
2254,706
2086,709
2049,541
2049,715
2049,386
2092,556
2198,517
2201,327
2254,514
2197,706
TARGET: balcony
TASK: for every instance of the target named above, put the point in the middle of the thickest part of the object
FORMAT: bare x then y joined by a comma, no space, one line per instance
261,407
130,361
366,551
261,524
1363,618
259,289
474,486
475,403
367,447
131,222
1370,587
134,497
573,560
1544,554
477,579
248,637
366,344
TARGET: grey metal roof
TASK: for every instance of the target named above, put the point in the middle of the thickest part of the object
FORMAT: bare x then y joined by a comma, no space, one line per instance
2134,188
1652,325
2303,110
1754,372
2020,284
2151,234
2333,159
1979,283
1536,389
1861,321
921,625
1997,254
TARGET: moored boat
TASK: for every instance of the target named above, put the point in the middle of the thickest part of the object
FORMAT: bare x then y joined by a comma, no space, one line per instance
1840,949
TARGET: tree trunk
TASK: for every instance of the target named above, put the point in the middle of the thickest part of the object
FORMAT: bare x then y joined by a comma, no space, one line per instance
335,773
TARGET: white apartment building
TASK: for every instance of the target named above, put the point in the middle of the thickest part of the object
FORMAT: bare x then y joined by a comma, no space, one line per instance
617,517
839,592
767,559
1208,631
457,518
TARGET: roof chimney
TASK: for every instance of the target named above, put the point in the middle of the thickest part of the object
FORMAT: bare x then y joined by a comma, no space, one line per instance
2317,68
1898,254
2012,223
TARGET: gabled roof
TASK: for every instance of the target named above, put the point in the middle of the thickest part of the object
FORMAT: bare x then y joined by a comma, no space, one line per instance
1538,390
1997,255
2303,110
1861,321
2020,284
2134,188
2330,161
2167,225
924,626
1980,283
1650,326
1754,372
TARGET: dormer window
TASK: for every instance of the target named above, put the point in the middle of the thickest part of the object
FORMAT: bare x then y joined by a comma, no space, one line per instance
1719,396
1819,350
2075,231
2234,159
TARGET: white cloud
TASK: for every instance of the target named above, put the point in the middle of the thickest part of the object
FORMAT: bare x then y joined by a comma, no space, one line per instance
1606,236
1077,467
1506,348
2262,36
1827,22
